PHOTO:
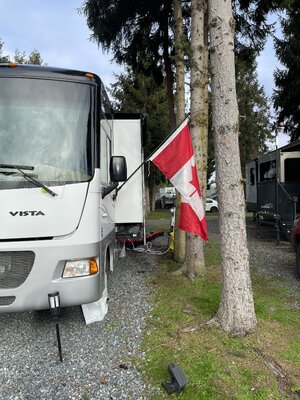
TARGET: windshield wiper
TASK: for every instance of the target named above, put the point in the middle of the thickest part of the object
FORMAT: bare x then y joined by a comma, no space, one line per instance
28,177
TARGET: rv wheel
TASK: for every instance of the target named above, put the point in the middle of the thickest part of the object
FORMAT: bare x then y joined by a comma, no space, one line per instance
298,259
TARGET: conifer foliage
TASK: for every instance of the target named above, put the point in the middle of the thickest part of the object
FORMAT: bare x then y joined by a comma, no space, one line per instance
287,93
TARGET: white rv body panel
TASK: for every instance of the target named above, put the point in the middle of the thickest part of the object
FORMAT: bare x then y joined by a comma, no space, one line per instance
32,213
130,199
283,158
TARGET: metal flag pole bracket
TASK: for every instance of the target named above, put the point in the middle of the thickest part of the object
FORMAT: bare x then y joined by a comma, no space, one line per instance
54,304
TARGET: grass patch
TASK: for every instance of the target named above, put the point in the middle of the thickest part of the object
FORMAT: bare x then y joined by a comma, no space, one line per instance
158,220
212,254
159,215
273,302
291,352
217,365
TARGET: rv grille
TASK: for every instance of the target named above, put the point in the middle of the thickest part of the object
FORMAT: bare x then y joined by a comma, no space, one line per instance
15,267
7,300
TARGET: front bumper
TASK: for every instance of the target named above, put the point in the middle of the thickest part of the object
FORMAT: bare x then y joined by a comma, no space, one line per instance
45,275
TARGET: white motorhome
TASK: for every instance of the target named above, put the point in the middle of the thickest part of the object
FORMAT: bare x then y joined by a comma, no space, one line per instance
62,155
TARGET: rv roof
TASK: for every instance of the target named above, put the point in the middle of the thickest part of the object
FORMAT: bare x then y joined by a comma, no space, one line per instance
45,72
293,146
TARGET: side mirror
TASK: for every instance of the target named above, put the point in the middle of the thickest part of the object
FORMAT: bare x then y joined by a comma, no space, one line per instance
118,169
118,173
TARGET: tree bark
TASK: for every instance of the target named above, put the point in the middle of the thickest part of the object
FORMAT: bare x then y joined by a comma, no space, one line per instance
236,313
194,263
168,69
179,235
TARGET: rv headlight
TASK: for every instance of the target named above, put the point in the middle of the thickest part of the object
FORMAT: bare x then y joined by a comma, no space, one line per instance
80,268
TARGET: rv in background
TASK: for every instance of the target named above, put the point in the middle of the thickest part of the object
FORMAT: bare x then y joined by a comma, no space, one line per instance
273,187
166,197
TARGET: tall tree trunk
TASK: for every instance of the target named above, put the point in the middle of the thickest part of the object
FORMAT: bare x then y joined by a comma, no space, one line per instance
179,235
236,313
194,262
152,189
168,68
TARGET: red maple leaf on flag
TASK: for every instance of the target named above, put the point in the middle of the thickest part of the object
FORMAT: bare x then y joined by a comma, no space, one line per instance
195,182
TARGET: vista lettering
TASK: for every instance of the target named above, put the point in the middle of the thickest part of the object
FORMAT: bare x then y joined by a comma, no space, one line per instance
26,213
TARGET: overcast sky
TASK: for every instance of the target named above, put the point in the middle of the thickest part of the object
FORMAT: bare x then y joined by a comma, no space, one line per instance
57,31
60,34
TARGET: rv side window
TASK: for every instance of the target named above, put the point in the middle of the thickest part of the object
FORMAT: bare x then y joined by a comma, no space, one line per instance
252,176
292,169
267,170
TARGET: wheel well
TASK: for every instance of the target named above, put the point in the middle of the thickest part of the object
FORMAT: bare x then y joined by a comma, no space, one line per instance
109,259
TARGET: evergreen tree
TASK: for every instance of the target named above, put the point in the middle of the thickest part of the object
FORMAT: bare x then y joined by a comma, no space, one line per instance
254,112
3,59
35,58
20,57
145,29
287,93
252,26
194,264
134,31
135,92
236,313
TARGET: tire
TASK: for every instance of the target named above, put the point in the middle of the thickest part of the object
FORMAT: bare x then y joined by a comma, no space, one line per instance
214,210
298,259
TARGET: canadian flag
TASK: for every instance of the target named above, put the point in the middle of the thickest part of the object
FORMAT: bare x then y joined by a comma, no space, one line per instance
175,158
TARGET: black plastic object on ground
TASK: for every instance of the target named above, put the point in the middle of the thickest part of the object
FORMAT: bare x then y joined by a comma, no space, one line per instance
178,379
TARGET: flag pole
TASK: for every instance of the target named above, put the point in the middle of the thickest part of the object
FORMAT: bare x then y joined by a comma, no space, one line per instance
147,159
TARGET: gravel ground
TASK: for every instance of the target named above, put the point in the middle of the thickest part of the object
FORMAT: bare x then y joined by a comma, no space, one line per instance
97,359
266,257
100,359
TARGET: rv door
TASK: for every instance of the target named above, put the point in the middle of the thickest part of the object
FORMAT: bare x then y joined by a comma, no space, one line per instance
251,186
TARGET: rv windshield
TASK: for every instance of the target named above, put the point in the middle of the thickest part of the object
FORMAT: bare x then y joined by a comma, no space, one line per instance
46,124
